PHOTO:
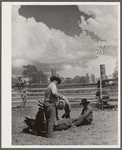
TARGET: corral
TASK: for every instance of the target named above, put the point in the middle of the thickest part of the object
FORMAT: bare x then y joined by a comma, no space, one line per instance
74,93
103,131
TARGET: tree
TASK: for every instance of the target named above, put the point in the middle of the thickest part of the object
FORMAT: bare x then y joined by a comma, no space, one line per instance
77,79
93,78
35,76
68,80
43,77
87,78
14,80
30,72
115,74
83,80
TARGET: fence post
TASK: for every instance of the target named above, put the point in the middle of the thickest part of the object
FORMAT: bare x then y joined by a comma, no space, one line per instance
101,96
102,76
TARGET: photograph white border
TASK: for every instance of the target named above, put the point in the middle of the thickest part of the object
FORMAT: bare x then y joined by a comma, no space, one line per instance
6,103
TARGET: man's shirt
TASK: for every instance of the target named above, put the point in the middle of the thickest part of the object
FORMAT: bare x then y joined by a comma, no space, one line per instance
24,95
88,113
51,93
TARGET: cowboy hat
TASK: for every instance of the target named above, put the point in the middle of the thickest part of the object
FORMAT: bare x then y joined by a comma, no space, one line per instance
55,78
40,103
83,101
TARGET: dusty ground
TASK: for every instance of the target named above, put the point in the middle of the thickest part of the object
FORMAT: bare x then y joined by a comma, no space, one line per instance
103,131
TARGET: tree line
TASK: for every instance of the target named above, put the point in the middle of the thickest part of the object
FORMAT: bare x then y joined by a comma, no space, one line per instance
38,77
79,79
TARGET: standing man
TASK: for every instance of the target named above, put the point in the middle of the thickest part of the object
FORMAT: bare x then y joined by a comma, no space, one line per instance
24,98
51,98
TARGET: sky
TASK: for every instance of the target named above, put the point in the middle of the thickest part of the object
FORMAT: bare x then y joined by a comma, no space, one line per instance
72,39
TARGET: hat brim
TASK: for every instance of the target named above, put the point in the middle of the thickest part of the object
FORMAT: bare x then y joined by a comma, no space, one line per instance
40,103
55,78
84,103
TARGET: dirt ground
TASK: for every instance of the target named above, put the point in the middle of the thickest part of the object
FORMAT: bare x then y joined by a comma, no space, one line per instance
103,131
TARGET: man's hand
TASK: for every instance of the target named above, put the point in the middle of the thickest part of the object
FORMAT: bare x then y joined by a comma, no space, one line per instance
64,97
64,115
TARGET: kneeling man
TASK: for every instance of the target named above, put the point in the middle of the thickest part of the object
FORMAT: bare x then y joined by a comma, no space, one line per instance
63,104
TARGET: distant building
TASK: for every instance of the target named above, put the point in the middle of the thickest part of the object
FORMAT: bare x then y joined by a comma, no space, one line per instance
57,75
53,72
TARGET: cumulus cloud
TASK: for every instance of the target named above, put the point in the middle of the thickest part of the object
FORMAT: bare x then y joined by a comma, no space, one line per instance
103,22
34,43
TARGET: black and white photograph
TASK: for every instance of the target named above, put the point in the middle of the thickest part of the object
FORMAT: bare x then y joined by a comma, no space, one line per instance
62,74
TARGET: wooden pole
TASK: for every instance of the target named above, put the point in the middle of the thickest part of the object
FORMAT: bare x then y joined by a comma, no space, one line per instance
102,75
101,96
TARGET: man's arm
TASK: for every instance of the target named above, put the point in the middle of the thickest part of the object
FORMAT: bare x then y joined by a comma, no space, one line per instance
68,106
25,95
54,92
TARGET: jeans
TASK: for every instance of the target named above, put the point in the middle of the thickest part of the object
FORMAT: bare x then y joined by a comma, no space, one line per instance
82,121
50,115
39,121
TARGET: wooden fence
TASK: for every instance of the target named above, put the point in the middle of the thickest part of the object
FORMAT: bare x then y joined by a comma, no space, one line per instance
74,92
